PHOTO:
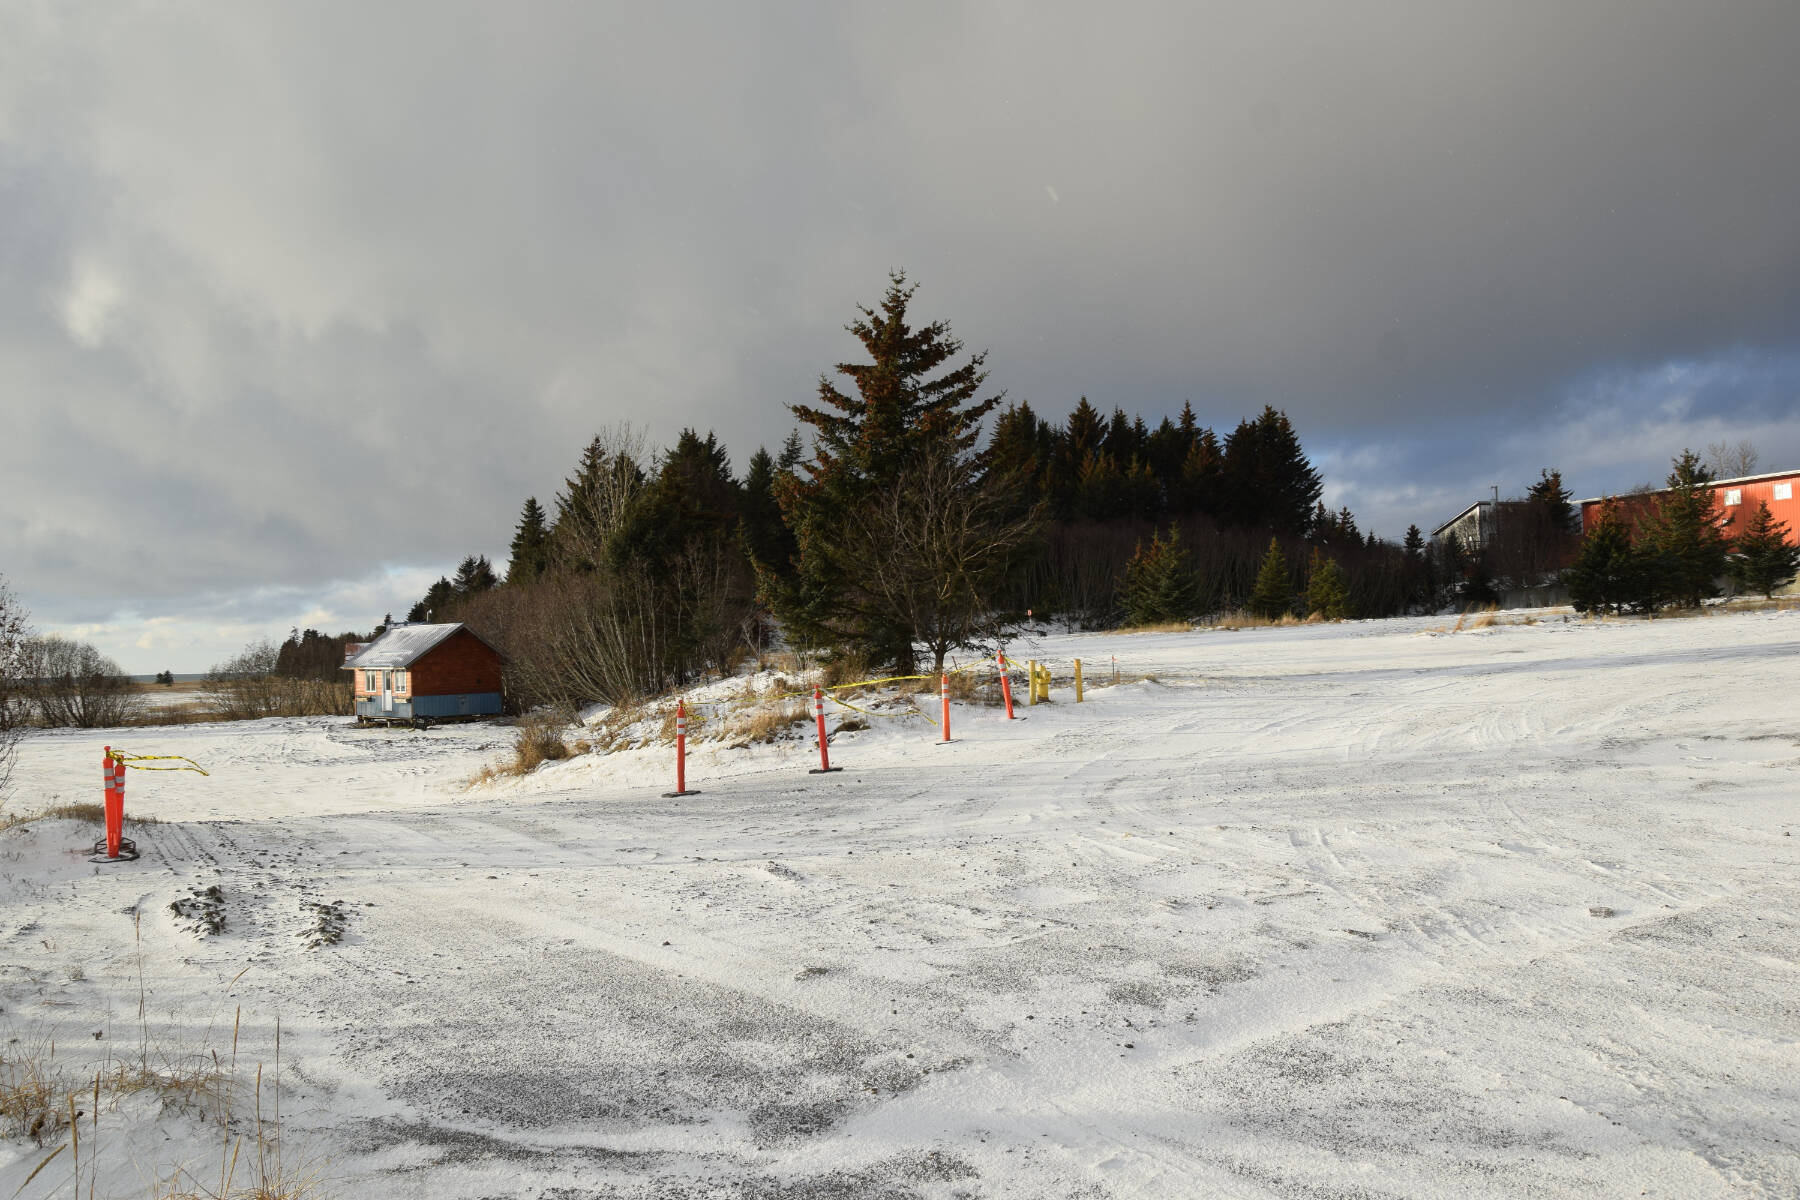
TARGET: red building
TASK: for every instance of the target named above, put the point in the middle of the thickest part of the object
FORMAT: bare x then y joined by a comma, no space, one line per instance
425,673
1738,499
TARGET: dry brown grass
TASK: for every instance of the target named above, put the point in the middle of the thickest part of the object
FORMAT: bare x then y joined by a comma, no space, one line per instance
764,723
1159,627
847,667
537,740
85,811
1249,620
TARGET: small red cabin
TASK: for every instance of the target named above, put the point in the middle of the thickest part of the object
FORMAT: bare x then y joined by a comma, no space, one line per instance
425,673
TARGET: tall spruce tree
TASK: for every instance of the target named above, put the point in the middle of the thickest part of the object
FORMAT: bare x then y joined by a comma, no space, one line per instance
765,535
908,404
1765,557
530,554
1688,533
1609,574
1554,502
1269,482
1272,595
474,576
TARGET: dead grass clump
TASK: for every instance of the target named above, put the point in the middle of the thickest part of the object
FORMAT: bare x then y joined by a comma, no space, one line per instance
1484,620
1240,619
84,811
538,740
766,722
33,1094
1159,627
845,667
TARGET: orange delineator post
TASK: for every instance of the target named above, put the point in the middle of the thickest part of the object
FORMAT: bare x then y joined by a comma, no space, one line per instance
681,787
1005,686
944,691
824,767
114,771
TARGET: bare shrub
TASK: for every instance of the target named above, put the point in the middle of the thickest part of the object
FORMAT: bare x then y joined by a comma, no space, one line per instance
75,686
15,702
249,686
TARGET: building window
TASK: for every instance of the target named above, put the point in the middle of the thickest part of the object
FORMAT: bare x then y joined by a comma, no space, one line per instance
1784,491
371,681
1734,496
399,681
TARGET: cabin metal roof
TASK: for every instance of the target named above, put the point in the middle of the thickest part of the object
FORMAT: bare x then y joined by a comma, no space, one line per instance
404,645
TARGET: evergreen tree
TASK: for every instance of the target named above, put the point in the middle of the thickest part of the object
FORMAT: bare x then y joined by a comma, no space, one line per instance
899,413
1272,596
1688,533
434,606
765,535
1017,461
1765,558
474,576
1269,483
530,554
792,453
1081,440
594,502
1202,485
1159,582
1554,502
1609,574
1325,590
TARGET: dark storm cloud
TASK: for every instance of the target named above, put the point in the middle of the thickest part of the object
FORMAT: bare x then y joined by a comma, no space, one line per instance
291,292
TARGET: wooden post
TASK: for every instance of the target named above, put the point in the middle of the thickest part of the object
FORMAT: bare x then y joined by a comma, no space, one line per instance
1078,681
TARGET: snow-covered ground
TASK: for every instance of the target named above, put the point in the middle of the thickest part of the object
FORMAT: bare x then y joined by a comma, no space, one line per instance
1313,914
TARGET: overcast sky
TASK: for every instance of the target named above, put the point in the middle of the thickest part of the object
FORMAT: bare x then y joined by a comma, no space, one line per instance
299,302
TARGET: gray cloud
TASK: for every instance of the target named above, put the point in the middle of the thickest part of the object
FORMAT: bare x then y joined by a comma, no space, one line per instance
290,294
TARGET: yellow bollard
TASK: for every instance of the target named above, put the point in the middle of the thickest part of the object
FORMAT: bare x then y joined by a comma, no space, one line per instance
1078,681
1031,681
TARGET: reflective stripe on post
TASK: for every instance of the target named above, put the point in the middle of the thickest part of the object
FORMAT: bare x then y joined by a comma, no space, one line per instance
681,787
115,809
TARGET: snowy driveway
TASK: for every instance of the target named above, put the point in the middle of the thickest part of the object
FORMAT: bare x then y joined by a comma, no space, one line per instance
1311,916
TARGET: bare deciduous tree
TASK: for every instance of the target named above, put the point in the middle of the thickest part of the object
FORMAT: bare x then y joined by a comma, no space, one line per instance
1726,461
929,552
249,686
15,704
78,687
596,501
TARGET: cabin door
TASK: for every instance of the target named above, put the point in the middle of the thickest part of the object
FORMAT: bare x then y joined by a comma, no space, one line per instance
387,691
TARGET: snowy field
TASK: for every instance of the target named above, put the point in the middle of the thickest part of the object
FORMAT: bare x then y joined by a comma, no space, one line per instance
1311,915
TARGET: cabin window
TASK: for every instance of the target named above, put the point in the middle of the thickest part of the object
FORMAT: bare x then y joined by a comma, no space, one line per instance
399,681
1734,495
371,681
1784,491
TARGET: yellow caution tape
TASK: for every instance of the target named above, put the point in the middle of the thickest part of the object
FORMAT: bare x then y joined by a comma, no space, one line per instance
132,761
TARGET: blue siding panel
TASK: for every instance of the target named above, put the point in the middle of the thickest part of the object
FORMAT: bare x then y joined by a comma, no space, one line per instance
475,704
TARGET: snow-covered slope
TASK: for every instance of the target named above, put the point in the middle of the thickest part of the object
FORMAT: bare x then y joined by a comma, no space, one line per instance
1311,914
